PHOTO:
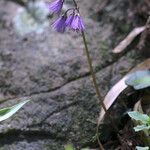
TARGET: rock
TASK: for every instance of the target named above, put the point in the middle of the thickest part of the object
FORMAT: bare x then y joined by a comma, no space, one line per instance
52,70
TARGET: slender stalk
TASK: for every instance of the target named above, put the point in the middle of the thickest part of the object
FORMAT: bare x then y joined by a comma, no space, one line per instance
75,3
94,83
94,79
99,96
91,67
92,73
98,140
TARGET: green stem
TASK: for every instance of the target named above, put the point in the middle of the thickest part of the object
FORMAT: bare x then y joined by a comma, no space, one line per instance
95,82
92,73
95,85
75,3
91,67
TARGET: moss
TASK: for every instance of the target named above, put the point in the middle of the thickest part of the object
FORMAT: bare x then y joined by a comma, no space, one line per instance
104,46
104,49
124,28
82,128
53,146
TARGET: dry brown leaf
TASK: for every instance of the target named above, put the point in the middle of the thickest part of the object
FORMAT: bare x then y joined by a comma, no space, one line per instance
127,41
112,96
119,87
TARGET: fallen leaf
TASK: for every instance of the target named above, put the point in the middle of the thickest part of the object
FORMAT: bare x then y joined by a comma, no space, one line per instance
119,87
6,113
127,41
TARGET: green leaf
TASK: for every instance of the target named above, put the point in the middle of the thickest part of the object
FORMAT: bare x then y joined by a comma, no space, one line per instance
142,148
69,147
141,127
139,117
5,113
139,79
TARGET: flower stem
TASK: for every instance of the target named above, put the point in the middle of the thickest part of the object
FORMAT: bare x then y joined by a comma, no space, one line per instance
95,84
92,73
75,3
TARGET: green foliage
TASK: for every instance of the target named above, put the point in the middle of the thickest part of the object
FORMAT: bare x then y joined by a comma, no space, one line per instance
144,125
70,147
143,118
6,113
139,79
142,148
141,127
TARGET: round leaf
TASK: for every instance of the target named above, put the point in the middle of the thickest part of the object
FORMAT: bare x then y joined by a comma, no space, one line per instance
139,79
139,117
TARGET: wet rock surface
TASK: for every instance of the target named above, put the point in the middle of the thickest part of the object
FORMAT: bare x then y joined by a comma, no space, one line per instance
52,70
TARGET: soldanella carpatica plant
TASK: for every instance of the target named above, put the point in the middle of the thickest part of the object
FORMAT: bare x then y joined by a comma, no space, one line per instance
72,19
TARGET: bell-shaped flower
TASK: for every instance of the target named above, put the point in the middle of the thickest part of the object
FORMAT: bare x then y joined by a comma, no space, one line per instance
56,6
75,22
60,24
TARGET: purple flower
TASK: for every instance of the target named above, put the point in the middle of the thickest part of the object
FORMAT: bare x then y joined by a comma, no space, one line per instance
75,22
56,6
60,24
69,20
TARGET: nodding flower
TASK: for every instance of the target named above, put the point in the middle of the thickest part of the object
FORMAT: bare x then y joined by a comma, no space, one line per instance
60,24
70,19
56,6
75,22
